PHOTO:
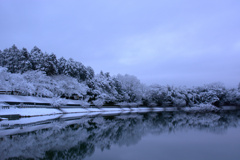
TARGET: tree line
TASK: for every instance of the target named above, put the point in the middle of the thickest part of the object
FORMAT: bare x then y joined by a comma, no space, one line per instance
41,74
21,61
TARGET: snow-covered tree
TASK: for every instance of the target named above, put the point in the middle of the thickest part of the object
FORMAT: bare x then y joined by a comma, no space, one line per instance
36,58
15,82
158,95
131,86
11,58
50,64
90,73
66,85
42,74
213,93
42,83
102,87
43,62
4,79
20,61
74,69
19,84
1,58
61,63
24,61
232,97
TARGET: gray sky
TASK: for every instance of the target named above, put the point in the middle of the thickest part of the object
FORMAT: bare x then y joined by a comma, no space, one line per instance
177,42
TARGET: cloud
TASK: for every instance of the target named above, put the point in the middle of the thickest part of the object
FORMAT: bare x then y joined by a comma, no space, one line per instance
158,41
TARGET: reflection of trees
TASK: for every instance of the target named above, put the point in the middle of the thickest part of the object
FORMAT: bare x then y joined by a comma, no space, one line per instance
76,141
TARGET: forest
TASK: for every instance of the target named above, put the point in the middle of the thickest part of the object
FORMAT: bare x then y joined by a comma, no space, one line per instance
41,74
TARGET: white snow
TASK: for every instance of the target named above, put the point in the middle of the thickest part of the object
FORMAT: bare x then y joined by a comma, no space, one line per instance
29,111
52,111
1,118
31,99
29,120
74,110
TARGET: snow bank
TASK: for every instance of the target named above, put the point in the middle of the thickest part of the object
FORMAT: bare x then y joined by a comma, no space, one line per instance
31,99
22,99
29,111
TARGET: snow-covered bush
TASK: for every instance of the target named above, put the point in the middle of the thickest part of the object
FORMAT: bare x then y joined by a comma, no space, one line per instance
84,103
127,104
99,102
58,102
202,108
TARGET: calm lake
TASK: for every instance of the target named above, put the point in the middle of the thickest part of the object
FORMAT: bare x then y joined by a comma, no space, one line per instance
140,136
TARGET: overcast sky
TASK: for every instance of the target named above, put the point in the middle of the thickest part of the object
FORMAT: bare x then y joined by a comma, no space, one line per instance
176,42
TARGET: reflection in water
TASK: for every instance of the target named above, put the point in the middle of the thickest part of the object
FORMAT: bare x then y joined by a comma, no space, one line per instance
79,140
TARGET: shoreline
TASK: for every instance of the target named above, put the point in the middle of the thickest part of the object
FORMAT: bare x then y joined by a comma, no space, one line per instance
36,112
19,105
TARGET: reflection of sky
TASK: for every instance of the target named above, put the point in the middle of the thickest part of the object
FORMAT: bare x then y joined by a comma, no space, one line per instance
181,145
183,42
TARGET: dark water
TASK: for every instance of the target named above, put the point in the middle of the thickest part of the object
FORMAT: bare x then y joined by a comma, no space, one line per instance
146,136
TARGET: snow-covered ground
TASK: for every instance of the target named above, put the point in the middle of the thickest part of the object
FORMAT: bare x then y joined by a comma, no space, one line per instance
32,99
52,111
25,112
29,111
35,121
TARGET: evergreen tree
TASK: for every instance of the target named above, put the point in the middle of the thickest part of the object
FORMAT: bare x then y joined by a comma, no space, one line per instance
12,59
61,64
1,58
24,60
90,73
36,58
50,64
4,58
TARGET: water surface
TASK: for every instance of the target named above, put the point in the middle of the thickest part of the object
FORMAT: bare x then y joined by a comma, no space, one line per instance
163,135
